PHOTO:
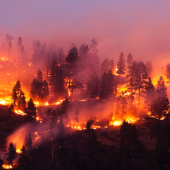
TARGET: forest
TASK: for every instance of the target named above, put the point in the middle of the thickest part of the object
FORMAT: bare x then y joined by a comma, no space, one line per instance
76,111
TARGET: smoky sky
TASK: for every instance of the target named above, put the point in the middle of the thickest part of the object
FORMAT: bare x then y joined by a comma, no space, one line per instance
140,27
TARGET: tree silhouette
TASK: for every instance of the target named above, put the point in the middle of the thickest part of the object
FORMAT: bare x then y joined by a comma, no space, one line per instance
93,86
121,65
11,153
31,110
9,38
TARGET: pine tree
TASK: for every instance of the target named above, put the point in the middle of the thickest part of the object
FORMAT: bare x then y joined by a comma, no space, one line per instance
149,68
39,88
105,65
11,153
61,56
129,59
9,38
162,99
20,48
39,76
93,86
121,65
22,101
168,71
150,95
137,78
18,96
23,160
107,85
31,110
94,53
45,90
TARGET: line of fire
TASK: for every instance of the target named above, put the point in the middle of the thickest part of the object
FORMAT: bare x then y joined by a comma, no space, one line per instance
62,111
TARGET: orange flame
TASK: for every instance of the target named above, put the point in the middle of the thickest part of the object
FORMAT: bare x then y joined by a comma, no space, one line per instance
20,112
6,166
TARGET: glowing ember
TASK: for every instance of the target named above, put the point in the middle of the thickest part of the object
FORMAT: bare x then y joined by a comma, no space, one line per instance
20,112
46,103
6,166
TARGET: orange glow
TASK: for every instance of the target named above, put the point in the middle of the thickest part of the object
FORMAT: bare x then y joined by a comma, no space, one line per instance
18,151
4,59
119,122
20,112
149,113
116,69
37,103
6,166
69,92
59,102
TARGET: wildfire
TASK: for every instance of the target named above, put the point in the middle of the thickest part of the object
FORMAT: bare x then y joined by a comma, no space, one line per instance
18,151
116,71
69,92
59,102
37,103
6,166
115,122
20,112
3,102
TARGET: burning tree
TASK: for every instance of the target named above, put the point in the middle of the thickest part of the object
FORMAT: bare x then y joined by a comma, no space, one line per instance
137,75
39,88
18,96
161,102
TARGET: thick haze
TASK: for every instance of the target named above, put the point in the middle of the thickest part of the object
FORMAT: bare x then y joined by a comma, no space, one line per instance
140,27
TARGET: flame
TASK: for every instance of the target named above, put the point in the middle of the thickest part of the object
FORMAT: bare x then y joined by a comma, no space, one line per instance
6,166
116,123
116,69
119,122
46,104
37,103
69,92
149,113
18,151
20,112
59,102
3,102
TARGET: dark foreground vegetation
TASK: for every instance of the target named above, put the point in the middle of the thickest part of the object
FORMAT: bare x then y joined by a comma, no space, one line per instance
142,146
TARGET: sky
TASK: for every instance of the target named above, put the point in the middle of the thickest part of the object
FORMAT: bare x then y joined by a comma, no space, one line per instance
141,27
